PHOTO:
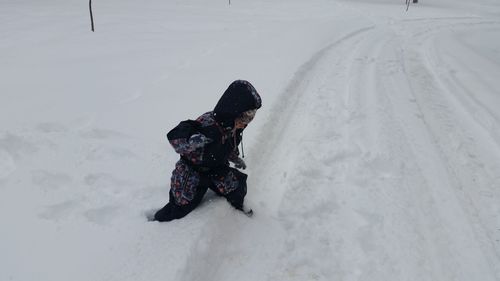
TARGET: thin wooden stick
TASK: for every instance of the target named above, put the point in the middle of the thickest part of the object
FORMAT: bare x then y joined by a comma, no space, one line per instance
91,16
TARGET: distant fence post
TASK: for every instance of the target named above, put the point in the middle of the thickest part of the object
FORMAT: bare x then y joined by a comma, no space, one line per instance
92,17
408,3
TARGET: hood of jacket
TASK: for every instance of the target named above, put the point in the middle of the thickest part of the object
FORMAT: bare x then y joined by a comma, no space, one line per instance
239,97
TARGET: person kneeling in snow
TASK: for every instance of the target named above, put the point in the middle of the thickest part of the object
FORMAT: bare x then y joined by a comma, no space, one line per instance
206,147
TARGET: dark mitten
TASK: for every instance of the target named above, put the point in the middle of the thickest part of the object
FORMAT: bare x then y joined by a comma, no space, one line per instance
239,163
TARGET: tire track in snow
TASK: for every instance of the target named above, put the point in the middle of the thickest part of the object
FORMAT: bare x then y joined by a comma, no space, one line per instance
377,237
480,101
449,158
454,246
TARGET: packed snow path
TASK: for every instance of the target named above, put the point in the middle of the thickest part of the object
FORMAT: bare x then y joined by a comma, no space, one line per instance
379,164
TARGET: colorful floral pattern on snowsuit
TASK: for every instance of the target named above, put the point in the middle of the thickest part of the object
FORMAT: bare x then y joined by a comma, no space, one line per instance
183,183
227,183
192,148
186,177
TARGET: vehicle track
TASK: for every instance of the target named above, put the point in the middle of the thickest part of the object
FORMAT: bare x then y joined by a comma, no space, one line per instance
460,170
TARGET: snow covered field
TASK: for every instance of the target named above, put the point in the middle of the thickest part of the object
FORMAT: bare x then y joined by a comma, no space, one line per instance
376,155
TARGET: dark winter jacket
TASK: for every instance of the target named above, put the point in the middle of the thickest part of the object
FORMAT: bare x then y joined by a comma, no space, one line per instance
210,142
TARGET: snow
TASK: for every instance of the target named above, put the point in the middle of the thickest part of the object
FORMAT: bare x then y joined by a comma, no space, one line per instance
375,155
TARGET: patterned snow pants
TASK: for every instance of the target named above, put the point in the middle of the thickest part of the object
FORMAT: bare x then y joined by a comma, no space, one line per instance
189,184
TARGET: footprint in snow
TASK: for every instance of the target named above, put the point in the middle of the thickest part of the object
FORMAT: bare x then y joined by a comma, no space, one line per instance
110,153
50,180
17,146
7,165
51,128
108,185
60,210
103,134
103,215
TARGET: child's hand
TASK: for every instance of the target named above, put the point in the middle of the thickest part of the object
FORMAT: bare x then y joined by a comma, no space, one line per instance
239,163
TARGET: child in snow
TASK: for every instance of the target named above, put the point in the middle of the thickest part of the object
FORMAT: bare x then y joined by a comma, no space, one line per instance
206,146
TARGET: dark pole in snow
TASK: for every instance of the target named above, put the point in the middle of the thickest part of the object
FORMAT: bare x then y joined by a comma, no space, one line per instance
91,17
408,3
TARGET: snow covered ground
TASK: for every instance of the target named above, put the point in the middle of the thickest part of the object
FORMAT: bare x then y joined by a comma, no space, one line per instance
376,155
